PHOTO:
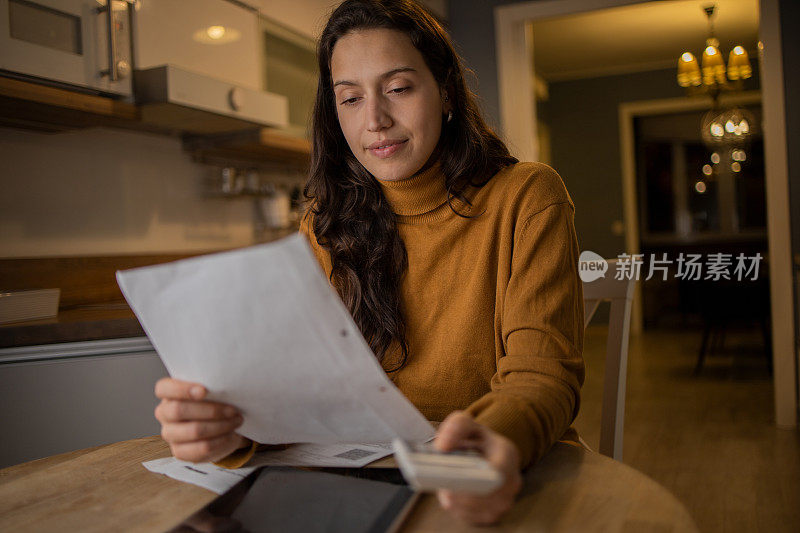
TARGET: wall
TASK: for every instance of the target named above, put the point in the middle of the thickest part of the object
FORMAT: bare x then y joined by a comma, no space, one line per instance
97,192
790,21
585,148
471,25
308,17
584,128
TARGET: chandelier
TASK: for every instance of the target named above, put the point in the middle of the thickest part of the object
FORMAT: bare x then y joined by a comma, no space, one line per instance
726,131
711,76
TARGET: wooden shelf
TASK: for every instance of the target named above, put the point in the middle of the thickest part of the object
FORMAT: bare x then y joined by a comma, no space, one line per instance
264,145
38,107
51,109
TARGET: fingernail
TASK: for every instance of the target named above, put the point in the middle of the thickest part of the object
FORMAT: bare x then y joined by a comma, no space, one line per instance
444,499
229,411
196,392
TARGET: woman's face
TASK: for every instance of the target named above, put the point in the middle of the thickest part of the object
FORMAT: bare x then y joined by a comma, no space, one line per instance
389,105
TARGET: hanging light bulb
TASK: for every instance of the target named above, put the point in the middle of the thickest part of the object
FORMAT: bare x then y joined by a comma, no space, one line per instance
713,65
688,71
730,127
744,127
739,64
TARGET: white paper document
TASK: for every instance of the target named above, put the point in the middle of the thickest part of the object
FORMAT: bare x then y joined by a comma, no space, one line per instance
329,455
217,479
206,475
263,330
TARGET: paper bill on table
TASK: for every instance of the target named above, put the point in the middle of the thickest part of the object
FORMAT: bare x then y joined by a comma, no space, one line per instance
263,330
218,479
323,455
206,475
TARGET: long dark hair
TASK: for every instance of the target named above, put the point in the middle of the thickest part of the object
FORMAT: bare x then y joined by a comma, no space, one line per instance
351,219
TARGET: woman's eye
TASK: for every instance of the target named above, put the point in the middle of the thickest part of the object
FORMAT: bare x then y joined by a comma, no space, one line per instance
353,100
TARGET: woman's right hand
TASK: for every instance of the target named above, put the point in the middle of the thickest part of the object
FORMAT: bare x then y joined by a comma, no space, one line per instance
196,430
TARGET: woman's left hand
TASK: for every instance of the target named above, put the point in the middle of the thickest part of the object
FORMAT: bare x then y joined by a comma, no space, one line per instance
460,431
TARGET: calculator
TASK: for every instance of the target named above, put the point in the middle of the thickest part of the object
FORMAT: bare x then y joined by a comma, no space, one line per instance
427,469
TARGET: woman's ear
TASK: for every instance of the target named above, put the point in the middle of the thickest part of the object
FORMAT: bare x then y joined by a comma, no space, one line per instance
446,105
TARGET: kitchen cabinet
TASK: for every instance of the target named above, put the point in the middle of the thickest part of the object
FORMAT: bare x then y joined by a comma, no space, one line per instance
63,397
215,38
196,67
290,69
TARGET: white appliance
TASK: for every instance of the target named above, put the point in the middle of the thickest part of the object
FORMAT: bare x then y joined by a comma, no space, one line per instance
67,42
191,65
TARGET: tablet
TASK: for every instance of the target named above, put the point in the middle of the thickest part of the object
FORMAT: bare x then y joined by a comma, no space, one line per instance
371,500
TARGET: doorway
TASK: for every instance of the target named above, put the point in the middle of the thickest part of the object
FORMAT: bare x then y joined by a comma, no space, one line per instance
518,87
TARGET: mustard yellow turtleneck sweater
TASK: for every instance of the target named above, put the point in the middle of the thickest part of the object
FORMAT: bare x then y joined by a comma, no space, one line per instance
493,304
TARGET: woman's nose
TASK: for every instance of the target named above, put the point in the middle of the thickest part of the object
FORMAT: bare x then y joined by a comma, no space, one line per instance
377,116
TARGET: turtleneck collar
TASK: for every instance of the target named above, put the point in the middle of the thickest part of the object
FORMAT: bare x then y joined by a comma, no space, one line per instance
421,193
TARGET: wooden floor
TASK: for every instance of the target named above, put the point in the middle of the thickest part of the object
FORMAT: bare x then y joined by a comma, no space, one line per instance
710,438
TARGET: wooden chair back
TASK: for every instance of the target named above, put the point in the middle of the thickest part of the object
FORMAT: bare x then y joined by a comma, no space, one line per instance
620,293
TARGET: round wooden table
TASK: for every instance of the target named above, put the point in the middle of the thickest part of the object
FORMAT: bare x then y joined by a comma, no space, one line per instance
107,489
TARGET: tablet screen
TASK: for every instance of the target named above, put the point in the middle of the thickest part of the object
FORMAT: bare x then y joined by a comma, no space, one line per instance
293,499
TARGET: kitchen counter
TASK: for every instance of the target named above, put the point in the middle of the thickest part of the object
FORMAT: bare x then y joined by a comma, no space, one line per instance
81,324
92,306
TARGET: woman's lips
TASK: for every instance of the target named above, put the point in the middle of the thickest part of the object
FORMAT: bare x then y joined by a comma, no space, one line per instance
383,153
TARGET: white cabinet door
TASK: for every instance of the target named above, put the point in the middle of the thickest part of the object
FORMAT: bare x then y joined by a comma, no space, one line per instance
215,38
53,405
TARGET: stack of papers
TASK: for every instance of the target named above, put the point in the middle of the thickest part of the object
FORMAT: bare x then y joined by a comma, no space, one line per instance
217,479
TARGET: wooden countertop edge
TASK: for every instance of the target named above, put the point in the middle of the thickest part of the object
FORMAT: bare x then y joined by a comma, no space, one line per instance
36,334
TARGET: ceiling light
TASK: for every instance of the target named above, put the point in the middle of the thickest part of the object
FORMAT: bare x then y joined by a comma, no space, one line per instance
216,32
713,76
217,35
727,130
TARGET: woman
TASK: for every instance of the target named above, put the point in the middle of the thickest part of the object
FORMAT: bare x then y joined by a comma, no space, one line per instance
458,263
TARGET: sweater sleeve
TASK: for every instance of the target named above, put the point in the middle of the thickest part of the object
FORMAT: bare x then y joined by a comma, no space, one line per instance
240,457
535,392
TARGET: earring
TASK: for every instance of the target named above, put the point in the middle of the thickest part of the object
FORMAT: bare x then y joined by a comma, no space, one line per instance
446,98
449,116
